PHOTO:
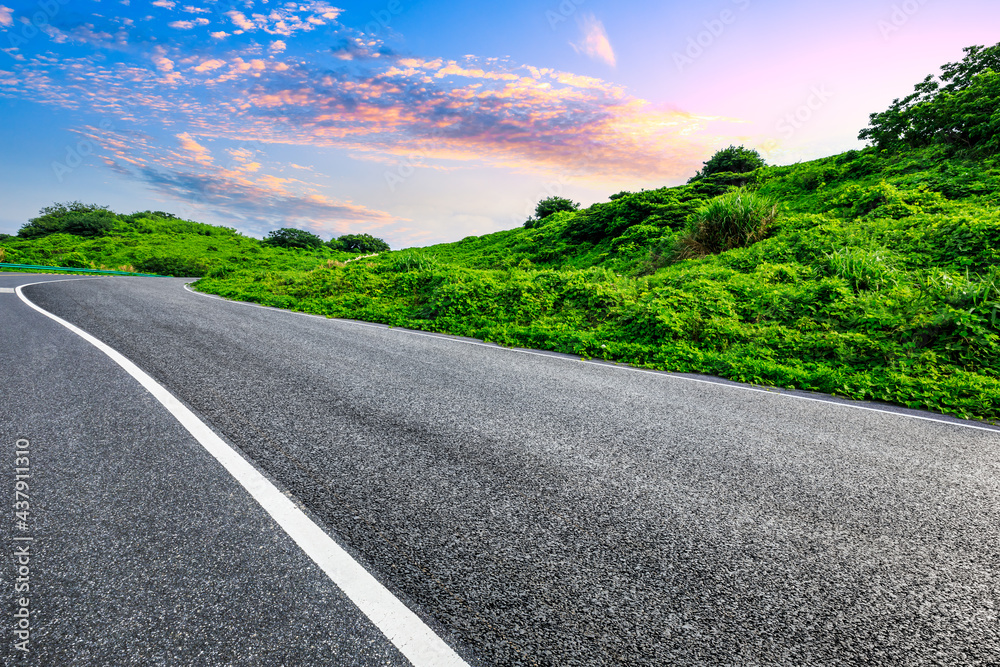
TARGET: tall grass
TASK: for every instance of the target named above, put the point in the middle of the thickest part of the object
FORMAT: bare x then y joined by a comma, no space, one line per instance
864,268
733,220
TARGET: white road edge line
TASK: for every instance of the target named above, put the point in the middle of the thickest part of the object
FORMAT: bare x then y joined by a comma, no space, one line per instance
623,367
417,642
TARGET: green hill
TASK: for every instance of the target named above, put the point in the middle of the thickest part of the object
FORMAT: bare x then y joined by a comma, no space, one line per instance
873,275
84,236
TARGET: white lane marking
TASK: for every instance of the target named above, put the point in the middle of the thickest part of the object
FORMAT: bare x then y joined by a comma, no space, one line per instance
398,623
6,290
604,364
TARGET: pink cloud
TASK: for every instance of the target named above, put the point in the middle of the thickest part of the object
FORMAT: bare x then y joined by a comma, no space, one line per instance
595,43
529,118
5,16
198,152
260,202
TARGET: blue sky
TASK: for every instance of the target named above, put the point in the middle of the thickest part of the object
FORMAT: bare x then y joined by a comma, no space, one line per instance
429,121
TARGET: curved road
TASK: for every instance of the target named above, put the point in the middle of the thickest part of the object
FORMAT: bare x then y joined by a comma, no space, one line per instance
537,510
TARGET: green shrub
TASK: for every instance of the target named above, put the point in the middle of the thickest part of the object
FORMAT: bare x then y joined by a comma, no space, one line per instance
883,200
550,206
722,182
358,243
735,159
864,268
70,218
957,109
636,237
663,208
733,220
181,267
411,260
289,237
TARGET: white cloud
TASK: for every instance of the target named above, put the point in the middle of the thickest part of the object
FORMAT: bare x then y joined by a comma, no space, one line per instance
5,16
187,25
595,43
278,46
166,4
239,20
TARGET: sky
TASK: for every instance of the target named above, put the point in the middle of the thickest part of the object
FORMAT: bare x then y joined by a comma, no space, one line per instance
425,121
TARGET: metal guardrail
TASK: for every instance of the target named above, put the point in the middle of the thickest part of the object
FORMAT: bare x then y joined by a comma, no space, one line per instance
77,270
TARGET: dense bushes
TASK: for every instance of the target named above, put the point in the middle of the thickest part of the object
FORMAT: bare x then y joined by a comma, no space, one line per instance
957,109
664,208
358,243
182,267
70,218
550,206
733,160
156,242
289,237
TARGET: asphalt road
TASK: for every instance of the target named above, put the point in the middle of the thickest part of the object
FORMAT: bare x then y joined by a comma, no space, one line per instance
138,548
544,511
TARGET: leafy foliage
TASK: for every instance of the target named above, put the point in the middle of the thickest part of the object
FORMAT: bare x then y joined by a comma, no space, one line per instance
157,242
289,237
957,109
70,218
734,160
358,243
551,206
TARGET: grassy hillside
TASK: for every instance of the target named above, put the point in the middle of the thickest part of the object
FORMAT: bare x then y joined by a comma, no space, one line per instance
872,275
154,242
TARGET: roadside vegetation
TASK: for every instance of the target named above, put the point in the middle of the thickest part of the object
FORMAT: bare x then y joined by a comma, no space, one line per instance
873,275
89,236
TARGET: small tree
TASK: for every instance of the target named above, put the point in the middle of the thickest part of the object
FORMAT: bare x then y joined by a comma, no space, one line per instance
735,159
289,237
358,243
957,109
70,218
550,206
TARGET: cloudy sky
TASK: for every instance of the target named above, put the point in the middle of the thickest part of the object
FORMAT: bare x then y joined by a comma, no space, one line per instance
430,120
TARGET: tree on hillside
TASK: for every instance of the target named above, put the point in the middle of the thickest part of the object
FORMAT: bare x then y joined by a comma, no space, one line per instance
550,206
735,159
358,243
70,218
957,109
289,237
